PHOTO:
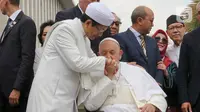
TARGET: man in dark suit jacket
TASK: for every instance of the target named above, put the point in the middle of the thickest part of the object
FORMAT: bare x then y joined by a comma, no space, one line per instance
188,74
17,51
70,13
138,47
77,11
74,12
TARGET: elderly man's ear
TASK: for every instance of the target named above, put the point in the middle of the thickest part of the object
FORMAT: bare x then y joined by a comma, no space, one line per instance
121,53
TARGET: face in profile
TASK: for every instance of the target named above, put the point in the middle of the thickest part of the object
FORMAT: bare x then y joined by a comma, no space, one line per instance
176,32
94,31
114,27
147,21
110,49
162,41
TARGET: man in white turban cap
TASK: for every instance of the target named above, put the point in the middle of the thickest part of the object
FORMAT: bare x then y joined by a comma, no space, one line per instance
67,61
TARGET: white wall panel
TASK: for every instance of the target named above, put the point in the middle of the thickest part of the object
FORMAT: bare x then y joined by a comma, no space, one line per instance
39,10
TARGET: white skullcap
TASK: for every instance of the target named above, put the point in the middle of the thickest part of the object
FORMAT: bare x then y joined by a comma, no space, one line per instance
100,13
111,39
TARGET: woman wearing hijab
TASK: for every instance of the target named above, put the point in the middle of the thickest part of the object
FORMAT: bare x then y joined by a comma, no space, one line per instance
169,69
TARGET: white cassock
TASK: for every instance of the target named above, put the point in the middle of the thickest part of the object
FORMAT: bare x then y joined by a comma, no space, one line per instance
67,58
131,89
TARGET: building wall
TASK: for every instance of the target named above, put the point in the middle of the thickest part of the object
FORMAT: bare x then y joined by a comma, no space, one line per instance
39,10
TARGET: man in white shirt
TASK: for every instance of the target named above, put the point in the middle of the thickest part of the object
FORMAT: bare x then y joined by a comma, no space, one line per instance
131,89
175,30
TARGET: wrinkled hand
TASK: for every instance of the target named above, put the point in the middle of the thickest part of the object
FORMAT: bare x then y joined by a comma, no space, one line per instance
111,67
148,108
14,97
162,66
186,107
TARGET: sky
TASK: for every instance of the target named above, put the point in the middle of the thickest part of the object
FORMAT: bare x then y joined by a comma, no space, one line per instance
162,10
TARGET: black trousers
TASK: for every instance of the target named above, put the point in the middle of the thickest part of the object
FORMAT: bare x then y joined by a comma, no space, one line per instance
6,107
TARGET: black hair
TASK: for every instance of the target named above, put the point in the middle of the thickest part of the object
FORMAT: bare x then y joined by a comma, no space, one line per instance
43,25
15,2
85,17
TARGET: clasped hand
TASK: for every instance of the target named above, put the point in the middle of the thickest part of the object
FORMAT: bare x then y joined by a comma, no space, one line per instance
14,97
111,67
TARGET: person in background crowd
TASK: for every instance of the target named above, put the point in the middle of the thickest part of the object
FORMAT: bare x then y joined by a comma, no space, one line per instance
114,27
188,72
44,28
169,67
138,47
67,60
175,30
17,51
131,89
74,12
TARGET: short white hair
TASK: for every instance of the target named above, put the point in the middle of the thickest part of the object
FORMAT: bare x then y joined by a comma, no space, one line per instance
110,39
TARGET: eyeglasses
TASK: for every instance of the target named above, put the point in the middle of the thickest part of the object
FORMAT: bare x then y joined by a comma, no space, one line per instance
163,40
178,27
117,23
100,30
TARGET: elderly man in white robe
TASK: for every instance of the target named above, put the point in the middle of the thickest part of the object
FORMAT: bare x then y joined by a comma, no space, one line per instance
67,61
131,89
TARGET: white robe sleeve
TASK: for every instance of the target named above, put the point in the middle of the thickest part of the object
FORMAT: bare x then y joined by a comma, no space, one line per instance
38,53
90,51
99,93
159,101
65,45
